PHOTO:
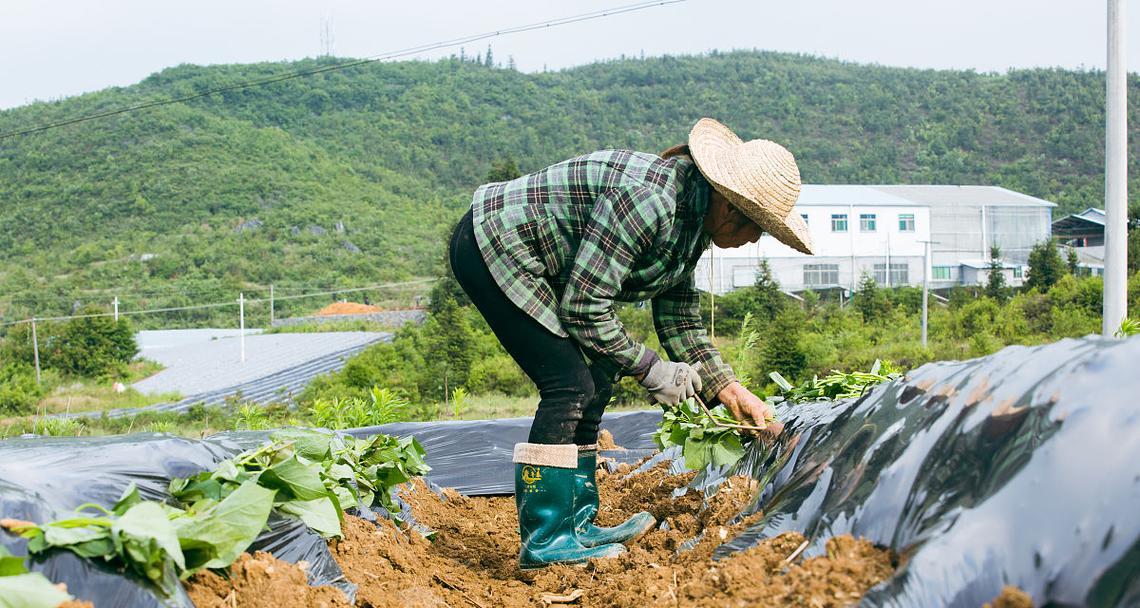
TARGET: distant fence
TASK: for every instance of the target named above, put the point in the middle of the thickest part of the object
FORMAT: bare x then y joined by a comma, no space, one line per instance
390,318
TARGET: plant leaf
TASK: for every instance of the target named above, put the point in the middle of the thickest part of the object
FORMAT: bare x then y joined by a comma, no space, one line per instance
320,515
214,538
30,590
302,481
147,521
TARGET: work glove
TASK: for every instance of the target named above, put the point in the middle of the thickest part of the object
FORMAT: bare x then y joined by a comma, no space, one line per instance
671,382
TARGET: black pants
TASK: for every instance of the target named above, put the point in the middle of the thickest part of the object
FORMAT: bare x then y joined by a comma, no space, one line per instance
573,395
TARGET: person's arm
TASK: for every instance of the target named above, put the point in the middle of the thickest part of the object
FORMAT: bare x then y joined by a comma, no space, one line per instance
677,319
623,226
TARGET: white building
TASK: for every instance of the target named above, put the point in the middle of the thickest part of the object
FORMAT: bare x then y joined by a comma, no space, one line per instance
881,231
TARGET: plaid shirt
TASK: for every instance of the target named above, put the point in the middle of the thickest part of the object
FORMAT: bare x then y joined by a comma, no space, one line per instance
566,242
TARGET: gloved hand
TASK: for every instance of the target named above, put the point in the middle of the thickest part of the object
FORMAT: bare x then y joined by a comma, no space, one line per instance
671,382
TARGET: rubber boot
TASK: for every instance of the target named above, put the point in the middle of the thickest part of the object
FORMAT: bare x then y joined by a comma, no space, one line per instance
586,507
544,495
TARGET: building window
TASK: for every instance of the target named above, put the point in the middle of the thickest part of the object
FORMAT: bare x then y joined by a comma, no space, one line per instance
839,222
821,275
867,222
940,273
804,215
1017,272
906,222
900,274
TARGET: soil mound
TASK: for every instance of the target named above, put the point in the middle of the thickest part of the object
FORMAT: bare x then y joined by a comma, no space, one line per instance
347,308
262,581
472,560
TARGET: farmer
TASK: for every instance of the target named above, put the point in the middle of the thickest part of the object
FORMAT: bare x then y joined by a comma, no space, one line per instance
544,258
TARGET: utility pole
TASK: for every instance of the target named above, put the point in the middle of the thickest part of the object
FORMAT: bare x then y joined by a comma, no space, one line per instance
925,287
270,305
1115,176
241,324
36,350
115,303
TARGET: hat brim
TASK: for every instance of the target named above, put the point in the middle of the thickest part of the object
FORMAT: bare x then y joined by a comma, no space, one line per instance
717,152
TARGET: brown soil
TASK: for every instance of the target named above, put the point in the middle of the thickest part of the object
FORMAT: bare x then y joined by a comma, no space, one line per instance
1011,597
606,441
347,308
472,560
261,581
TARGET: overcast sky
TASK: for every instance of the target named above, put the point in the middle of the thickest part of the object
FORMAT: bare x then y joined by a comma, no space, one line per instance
57,48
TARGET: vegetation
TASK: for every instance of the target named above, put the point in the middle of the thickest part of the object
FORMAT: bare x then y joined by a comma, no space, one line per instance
310,475
24,589
350,177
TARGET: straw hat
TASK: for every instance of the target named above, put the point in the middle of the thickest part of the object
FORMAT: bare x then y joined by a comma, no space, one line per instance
759,177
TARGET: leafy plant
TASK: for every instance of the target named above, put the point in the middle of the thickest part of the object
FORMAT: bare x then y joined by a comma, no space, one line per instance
744,351
161,426
250,417
837,384
702,441
60,427
303,473
458,400
1128,327
23,589
337,413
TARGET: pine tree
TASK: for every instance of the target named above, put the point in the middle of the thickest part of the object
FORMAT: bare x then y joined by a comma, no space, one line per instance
488,60
995,284
1045,266
1073,262
504,169
869,300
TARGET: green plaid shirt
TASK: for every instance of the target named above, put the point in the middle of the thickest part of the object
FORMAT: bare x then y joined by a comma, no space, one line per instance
566,242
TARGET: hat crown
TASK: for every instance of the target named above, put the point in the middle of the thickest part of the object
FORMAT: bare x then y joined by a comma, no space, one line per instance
760,177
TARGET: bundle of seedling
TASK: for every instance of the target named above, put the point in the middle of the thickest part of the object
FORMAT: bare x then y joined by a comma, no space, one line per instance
714,437
216,515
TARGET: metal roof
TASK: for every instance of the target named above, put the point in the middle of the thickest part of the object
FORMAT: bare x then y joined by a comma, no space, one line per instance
827,195
990,196
915,196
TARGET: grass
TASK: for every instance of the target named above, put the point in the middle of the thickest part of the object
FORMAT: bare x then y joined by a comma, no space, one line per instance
331,326
96,395
201,421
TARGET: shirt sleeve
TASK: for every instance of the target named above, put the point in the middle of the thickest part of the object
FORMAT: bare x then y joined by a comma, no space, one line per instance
623,225
676,317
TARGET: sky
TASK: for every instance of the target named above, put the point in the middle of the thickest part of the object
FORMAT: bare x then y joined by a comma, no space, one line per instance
50,49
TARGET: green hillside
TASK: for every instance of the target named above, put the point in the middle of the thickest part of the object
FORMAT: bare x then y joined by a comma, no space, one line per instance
246,188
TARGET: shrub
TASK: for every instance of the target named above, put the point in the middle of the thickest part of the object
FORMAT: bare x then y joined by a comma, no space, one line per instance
499,374
19,392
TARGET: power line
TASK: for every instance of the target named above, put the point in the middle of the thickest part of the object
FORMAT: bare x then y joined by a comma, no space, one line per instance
629,8
222,304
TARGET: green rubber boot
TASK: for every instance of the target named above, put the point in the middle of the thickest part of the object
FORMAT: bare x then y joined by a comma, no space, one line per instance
544,495
586,507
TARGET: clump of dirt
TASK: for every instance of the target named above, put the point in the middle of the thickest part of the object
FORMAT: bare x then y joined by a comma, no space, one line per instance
1011,597
472,559
347,308
76,604
261,581
606,441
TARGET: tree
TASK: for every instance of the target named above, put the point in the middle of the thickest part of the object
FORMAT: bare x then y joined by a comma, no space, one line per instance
1073,262
503,169
869,300
1045,266
763,299
450,346
995,283
783,345
489,61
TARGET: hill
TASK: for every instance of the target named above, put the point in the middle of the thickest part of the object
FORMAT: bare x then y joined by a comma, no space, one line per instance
352,177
